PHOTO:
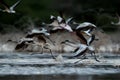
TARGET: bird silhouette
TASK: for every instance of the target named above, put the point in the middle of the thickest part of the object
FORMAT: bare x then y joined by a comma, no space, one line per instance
7,8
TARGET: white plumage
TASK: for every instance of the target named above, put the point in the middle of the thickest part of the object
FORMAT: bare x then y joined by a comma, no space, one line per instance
11,8
85,24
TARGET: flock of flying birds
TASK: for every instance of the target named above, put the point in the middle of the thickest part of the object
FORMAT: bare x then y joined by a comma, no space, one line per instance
38,36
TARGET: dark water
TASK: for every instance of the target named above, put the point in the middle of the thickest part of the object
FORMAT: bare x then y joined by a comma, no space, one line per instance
61,77
28,67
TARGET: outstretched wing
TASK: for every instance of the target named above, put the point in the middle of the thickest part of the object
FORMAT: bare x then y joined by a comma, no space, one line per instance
69,20
13,6
80,52
62,17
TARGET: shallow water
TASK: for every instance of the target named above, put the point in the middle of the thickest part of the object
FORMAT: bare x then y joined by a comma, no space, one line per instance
27,66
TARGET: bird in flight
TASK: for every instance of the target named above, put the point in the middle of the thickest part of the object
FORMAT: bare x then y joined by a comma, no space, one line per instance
81,49
7,8
86,27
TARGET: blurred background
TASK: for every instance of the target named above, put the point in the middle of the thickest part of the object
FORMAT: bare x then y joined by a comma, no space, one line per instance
33,13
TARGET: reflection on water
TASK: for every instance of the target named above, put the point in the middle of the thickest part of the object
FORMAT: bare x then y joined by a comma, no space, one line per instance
62,77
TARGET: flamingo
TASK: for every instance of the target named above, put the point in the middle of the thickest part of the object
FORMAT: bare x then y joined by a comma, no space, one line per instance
58,24
41,41
86,27
82,48
7,8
